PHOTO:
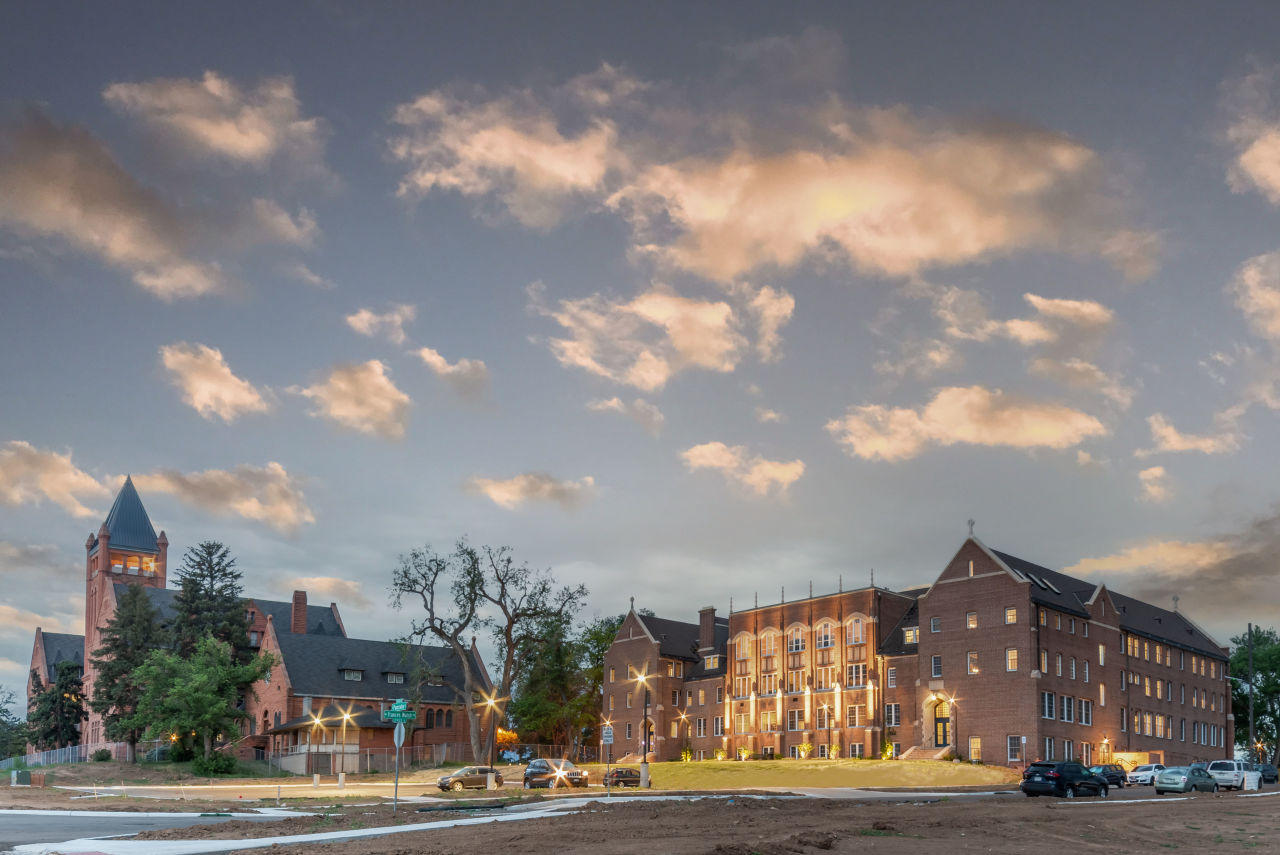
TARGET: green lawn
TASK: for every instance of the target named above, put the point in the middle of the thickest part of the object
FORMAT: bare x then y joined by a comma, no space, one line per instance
733,775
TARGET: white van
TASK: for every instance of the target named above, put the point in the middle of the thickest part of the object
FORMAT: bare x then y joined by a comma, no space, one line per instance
1229,773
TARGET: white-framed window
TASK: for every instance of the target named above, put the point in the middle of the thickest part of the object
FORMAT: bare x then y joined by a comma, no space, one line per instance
891,678
1073,667
857,675
1102,655
768,684
972,661
892,715
742,723
354,674
769,720
741,687
1057,619
971,620
937,666
612,673
610,703
911,635
854,632
975,749
826,636
702,697
897,749
719,694
823,751
743,648
822,718
675,729
711,663
1085,627
393,677
1067,750
795,680
795,640
717,725
1072,628
1048,748
701,728
853,715
1124,720
1068,709
857,749
1048,705
1044,662
1086,670
935,624
1014,744
1058,664
824,677
795,719
1011,614
628,700
628,730
1182,730
1011,659
1086,712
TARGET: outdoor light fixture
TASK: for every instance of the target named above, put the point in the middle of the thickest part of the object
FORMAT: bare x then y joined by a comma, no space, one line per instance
643,680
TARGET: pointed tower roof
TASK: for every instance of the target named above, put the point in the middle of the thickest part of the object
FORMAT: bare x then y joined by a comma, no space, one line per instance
128,523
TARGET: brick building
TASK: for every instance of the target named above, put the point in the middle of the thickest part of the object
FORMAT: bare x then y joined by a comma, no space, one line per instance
999,660
317,667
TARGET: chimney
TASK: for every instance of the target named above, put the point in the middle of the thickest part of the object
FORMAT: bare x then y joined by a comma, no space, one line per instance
707,628
298,620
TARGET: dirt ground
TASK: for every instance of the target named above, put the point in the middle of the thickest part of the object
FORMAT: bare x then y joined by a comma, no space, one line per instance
741,826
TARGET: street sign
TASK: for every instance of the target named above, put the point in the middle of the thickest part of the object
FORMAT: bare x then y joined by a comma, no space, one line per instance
606,735
400,704
399,735
400,716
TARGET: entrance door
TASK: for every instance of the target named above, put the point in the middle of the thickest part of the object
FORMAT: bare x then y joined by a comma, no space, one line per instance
941,731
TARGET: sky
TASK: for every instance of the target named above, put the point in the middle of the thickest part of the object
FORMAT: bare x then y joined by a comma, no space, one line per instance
686,302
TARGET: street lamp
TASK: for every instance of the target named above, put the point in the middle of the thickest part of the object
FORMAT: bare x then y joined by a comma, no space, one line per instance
643,680
826,720
315,720
490,780
346,717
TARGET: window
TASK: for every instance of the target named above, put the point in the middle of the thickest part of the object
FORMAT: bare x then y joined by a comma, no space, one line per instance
353,674
1073,667
857,676
1124,720
741,687
937,666
769,644
853,715
935,624
911,635
1048,748
1015,749
1044,617
826,636
1068,709
970,568
1102,694
975,749
742,723
702,727
854,632
891,680
768,684
769,720
1146,650
628,730
719,694
612,673
1072,627
1086,712
824,677
711,663
1146,723
1067,752
253,639
393,677
892,715
1160,689
971,620
744,648
1085,626
1011,659
857,749
611,703
702,697
823,718
1146,686
795,719
1057,620
1102,655
628,700
973,662
795,640
675,729
795,681
1048,705
1010,615
1058,664
1182,730
675,697
1086,670
717,726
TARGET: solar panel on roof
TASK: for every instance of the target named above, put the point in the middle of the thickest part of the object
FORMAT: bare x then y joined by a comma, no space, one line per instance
1051,585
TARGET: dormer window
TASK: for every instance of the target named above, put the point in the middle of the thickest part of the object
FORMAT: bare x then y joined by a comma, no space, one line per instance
712,662
353,674
394,677
911,635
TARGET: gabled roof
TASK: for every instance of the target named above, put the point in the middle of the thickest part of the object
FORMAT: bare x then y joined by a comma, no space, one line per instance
679,639
128,523
320,619
316,664
331,715
61,647
1173,627
1051,588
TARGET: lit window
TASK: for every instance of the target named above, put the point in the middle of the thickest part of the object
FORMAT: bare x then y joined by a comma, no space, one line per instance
911,635
744,648
826,636
855,631
712,663
1011,659
612,674
795,640
973,662
971,620
1011,615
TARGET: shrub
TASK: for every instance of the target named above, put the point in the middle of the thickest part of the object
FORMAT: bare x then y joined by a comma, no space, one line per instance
102,755
686,754
214,764
721,754
181,752
804,749
744,753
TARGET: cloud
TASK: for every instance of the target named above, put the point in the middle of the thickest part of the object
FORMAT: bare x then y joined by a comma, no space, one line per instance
207,384
29,475
972,415
33,560
59,181
1256,290
468,377
361,397
765,416
390,323
1213,576
1075,373
1085,459
278,225
214,116
1254,132
1085,314
303,273
755,473
510,148
886,192
1167,438
643,342
22,623
1155,487
641,411
342,591
965,316
920,359
266,494
771,309
534,487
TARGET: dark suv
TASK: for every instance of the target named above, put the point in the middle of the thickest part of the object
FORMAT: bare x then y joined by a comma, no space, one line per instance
553,773
1066,779
1268,772
1112,773
621,776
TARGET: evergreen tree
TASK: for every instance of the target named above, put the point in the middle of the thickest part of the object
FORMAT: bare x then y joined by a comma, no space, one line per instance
13,732
127,640
56,711
209,601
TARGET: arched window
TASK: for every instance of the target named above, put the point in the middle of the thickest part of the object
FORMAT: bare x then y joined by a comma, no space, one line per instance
795,640
853,632
744,647
448,718
769,643
431,718
826,635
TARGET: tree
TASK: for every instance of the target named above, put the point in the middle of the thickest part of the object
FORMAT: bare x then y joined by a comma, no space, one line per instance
197,694
55,712
13,731
1266,689
127,640
209,601
471,590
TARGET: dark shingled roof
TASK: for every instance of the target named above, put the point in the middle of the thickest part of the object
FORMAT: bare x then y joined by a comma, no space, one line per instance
679,639
61,647
128,523
320,619
315,664
699,671
893,644
331,716
1069,594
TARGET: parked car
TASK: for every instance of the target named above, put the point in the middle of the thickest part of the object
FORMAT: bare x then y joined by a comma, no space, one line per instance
1229,773
1112,773
1268,772
471,777
553,773
1067,780
1184,779
1145,774
621,776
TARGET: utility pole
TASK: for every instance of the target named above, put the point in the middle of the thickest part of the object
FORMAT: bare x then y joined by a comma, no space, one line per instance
1253,743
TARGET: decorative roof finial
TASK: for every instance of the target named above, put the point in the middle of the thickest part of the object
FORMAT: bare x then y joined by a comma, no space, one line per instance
633,604
873,577
1175,603
971,528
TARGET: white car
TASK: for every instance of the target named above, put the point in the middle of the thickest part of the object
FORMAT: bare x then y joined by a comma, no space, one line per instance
1146,773
1228,773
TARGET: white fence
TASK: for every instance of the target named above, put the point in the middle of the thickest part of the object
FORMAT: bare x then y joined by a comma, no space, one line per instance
75,754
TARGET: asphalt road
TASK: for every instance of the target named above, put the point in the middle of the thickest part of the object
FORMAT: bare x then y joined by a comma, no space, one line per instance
55,828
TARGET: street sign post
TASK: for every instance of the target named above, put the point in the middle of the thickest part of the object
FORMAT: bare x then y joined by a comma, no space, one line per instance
399,713
606,739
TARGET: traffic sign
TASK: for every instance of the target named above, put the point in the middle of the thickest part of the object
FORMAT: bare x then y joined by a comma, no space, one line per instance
399,735
400,715
606,735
